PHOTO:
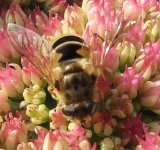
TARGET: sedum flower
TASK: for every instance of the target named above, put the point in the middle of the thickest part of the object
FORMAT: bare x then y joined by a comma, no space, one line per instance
150,97
13,132
39,19
55,141
4,102
107,144
127,53
38,113
34,94
8,52
152,29
103,18
26,146
150,141
15,15
121,106
131,6
103,124
136,34
74,20
132,128
128,82
53,28
58,120
31,76
55,6
11,80
148,62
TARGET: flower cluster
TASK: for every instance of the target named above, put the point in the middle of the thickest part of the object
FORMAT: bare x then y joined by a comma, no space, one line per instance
123,37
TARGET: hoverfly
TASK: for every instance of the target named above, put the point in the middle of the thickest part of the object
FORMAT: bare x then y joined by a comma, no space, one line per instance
67,66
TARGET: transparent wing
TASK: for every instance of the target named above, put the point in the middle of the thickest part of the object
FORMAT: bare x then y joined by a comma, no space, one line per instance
35,49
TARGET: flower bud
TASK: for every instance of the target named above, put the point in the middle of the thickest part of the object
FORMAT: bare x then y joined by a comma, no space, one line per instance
38,113
127,53
26,146
4,101
11,80
128,82
152,30
150,95
107,144
58,120
74,20
15,15
30,75
39,19
34,94
8,52
13,132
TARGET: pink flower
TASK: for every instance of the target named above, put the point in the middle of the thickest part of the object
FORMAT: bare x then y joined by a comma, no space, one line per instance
132,128
13,132
128,82
39,19
150,141
58,120
30,75
102,124
39,141
15,15
5,102
136,34
56,6
74,20
148,62
53,27
150,96
103,18
11,80
8,53
131,6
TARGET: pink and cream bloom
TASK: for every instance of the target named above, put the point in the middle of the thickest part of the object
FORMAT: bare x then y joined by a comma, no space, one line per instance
131,6
53,28
4,102
26,146
31,76
103,124
56,6
128,82
121,106
39,19
11,80
136,34
150,96
103,18
133,128
151,140
77,138
15,15
8,52
13,132
149,61
74,20
58,120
